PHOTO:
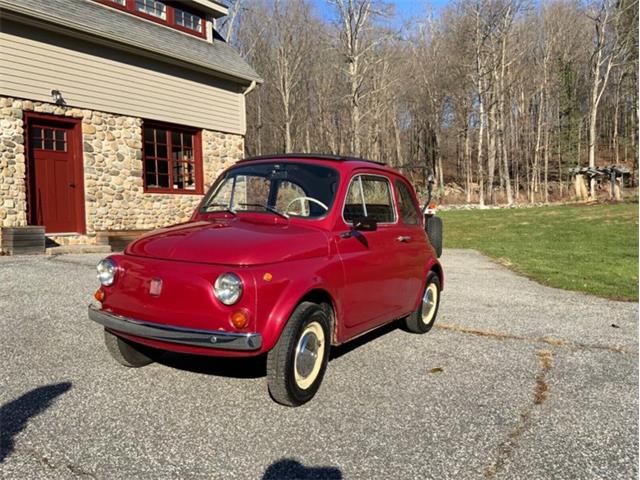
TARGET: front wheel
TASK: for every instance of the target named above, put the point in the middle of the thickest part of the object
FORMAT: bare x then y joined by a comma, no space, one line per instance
296,365
424,317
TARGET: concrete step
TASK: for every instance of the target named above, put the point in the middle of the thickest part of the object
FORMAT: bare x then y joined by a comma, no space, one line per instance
80,248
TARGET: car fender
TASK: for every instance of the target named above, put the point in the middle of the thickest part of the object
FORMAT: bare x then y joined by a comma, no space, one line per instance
290,283
432,265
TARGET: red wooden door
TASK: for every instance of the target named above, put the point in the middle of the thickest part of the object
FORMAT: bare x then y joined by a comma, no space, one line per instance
55,176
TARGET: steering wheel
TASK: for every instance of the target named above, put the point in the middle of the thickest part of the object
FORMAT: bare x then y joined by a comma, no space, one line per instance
302,199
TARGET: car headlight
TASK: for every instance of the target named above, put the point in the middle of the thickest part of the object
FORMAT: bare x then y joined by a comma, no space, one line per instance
106,271
228,288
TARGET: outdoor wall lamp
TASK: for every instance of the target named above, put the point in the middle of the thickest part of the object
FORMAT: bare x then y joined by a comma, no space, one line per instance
57,98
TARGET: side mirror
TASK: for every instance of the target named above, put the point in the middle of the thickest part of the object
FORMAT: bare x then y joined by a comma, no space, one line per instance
364,224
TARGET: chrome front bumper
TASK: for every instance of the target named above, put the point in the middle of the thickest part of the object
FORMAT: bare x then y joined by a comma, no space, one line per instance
168,333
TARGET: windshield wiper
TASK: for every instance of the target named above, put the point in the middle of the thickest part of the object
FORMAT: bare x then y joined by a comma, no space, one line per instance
226,208
269,208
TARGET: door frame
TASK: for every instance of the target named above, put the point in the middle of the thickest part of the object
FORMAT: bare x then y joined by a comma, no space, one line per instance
75,150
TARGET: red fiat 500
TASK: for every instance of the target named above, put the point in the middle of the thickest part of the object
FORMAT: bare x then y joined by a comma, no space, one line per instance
285,256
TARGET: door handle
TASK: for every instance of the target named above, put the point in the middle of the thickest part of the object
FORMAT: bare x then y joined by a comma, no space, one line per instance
403,239
72,185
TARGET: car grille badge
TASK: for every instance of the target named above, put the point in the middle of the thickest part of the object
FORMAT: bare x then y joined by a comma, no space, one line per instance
155,287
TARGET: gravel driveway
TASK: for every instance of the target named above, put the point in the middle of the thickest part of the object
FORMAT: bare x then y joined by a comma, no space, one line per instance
517,381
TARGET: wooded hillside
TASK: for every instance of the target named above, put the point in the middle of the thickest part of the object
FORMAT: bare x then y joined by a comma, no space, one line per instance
498,98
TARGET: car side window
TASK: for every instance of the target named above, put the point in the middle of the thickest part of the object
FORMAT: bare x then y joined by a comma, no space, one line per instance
369,196
407,207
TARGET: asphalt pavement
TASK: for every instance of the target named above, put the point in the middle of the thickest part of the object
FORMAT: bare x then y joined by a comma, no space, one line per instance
517,380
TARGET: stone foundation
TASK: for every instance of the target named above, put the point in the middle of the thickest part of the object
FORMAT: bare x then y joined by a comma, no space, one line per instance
113,170
13,199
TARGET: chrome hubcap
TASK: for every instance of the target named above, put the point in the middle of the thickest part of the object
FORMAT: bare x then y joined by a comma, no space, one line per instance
307,354
429,302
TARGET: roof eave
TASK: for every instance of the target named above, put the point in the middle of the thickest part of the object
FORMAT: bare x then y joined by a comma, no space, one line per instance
84,32
216,9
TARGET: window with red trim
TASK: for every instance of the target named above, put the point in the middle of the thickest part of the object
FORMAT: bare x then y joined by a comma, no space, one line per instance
172,14
172,159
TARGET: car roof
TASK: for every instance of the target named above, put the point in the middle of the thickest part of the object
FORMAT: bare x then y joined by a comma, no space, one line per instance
345,162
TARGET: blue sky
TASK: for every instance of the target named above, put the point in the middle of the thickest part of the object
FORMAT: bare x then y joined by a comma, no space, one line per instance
405,9
408,9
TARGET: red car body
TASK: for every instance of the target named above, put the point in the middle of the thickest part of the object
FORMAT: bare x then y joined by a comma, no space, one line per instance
369,279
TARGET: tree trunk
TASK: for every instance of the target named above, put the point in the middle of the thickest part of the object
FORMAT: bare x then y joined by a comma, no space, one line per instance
581,187
491,152
536,151
593,115
501,123
546,165
467,164
616,113
617,188
396,136
480,138
259,129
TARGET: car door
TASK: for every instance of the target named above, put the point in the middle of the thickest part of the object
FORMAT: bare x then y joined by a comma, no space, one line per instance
370,293
413,248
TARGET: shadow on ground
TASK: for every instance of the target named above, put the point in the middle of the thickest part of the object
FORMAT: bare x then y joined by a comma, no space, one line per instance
249,367
289,469
344,349
15,415
253,367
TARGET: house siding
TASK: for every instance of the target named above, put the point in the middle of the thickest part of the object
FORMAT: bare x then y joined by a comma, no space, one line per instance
112,163
91,76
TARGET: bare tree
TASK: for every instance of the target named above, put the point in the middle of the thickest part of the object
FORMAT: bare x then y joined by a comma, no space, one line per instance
292,39
356,44
496,97
609,51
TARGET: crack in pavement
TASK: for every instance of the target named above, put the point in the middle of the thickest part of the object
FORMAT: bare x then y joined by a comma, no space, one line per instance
43,460
541,389
556,342
540,394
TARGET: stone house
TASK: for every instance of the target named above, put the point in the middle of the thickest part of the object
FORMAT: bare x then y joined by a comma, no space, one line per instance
115,114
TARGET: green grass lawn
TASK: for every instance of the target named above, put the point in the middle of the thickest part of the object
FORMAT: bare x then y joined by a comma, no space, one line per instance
592,249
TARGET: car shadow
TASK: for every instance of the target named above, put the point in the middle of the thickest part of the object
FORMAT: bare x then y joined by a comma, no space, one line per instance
253,367
345,348
233,367
15,415
289,469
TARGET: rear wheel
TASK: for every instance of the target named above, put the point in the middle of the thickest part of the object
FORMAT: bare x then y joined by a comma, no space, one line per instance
296,365
424,317
127,353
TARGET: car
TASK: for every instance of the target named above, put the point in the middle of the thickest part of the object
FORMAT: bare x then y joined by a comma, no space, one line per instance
286,256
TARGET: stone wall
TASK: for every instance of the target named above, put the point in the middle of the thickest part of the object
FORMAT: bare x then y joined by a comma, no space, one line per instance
13,199
113,184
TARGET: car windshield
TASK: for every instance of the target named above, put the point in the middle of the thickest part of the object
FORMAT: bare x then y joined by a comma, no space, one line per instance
285,189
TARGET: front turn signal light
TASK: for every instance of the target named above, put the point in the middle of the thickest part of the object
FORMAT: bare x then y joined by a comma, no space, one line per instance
99,295
239,319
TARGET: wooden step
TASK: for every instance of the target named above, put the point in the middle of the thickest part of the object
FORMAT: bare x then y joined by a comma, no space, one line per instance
23,240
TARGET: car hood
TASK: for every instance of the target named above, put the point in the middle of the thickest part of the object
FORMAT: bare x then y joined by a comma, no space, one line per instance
232,242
